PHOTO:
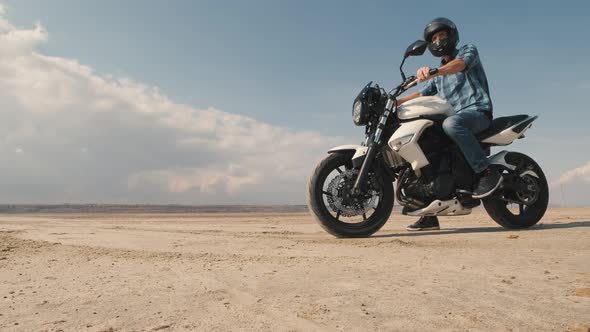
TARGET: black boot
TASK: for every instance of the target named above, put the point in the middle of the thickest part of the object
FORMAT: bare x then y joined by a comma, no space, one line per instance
489,181
425,224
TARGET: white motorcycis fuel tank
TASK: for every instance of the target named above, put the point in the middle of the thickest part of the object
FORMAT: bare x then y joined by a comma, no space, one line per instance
424,106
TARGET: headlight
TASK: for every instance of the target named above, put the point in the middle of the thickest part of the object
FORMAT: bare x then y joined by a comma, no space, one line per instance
357,112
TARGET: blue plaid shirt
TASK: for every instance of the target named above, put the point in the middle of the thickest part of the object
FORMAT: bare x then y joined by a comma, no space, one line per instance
465,90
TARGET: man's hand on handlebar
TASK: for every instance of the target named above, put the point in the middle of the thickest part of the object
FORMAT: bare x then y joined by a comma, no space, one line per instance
426,73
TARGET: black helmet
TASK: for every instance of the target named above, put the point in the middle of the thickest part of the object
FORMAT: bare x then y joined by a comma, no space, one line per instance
445,47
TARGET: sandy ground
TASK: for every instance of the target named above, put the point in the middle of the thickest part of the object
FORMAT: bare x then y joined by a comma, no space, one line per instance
281,272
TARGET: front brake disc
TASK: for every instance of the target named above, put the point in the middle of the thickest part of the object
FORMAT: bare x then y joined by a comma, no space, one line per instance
341,198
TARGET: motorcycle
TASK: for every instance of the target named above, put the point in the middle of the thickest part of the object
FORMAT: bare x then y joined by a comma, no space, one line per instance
351,191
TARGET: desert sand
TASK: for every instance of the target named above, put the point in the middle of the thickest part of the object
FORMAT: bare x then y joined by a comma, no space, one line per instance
282,272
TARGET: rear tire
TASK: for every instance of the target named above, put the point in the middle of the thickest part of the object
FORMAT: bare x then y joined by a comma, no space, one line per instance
321,212
529,214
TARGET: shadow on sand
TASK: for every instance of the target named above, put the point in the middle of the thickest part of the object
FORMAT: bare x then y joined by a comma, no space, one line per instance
447,231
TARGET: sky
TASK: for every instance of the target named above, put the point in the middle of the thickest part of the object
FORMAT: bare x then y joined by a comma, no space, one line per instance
210,102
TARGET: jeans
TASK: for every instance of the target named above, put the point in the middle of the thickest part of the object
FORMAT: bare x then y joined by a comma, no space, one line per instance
461,128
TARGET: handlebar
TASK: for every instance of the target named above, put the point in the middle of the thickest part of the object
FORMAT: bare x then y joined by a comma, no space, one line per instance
413,80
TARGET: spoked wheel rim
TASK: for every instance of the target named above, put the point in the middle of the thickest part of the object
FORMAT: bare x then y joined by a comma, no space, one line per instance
328,217
528,199
339,202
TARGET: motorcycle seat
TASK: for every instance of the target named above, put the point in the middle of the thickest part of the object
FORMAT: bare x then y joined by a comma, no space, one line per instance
500,124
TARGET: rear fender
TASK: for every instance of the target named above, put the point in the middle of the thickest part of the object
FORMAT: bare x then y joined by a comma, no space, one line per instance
499,159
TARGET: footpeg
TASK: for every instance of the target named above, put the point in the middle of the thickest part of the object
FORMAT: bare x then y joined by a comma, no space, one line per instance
469,202
466,199
463,192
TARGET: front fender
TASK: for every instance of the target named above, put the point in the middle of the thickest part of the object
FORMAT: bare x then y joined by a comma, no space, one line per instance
359,152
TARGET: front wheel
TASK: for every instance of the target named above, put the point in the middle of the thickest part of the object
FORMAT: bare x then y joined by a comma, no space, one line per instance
339,212
523,199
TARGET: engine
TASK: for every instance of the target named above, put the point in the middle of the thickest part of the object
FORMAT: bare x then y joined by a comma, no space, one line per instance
440,187
447,169
436,181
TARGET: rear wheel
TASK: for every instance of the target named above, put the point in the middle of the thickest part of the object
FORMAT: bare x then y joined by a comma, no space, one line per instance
340,213
523,199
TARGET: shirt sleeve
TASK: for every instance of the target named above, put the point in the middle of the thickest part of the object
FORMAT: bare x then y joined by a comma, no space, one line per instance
469,55
429,89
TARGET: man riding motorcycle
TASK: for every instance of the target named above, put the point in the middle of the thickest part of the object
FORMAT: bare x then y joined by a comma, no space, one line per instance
461,80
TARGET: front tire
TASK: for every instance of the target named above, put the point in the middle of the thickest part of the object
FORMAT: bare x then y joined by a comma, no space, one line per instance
324,214
531,205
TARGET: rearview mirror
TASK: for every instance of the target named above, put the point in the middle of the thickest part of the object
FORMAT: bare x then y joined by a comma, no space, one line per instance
417,48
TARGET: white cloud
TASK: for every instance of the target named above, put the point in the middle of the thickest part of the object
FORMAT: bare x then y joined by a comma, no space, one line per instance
577,174
572,187
18,41
92,137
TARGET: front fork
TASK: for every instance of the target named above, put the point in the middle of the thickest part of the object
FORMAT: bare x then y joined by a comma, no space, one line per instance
372,149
